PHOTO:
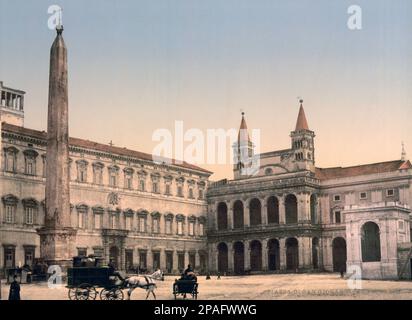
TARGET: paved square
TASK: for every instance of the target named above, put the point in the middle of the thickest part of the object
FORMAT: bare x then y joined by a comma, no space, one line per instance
323,286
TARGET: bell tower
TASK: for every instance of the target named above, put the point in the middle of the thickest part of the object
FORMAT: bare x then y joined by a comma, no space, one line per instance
243,152
303,145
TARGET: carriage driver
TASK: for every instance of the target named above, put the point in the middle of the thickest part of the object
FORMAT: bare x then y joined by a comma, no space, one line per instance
188,270
113,272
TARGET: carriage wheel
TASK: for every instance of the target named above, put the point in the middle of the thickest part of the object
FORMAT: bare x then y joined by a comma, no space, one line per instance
111,294
83,292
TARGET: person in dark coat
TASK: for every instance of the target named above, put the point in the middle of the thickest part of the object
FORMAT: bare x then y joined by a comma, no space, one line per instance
14,293
112,270
189,269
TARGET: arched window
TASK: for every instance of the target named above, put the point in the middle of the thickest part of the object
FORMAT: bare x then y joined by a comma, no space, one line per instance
222,216
255,212
291,208
238,214
371,244
273,210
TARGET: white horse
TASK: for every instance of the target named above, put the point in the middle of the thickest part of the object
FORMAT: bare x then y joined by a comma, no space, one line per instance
146,282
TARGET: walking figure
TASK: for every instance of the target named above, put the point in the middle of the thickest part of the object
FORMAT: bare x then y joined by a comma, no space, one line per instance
14,293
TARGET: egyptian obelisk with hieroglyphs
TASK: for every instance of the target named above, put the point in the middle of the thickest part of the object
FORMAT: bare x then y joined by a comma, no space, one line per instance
57,238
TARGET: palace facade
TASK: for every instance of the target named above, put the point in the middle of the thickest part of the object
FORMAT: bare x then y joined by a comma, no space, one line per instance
123,205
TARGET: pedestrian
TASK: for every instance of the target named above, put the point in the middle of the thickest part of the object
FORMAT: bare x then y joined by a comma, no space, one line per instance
14,293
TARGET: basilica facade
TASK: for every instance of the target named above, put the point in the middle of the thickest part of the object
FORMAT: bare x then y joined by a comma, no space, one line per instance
291,216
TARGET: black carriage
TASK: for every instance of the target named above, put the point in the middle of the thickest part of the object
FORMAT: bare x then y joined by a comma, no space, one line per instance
184,287
87,276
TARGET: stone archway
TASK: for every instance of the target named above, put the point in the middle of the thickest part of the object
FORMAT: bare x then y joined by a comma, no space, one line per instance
255,256
273,255
339,254
255,208
222,257
239,257
291,209
273,210
222,221
238,216
292,254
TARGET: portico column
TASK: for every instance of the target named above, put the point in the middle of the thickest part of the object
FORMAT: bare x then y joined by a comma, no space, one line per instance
197,260
265,266
186,259
246,213
282,254
175,262
163,260
303,207
282,211
149,260
230,216
230,257
247,255
264,211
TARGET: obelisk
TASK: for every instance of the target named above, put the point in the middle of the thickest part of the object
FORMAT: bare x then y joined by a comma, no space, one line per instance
57,237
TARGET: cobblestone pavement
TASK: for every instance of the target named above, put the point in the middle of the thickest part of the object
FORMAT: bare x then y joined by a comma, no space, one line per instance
285,286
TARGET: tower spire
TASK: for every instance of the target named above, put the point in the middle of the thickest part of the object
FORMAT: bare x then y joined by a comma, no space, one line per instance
301,123
243,131
403,155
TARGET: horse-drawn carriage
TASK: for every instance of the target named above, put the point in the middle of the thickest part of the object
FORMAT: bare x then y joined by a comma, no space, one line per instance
186,285
87,275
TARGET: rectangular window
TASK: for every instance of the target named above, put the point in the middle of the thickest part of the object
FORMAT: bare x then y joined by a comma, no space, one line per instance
128,182
191,228
401,225
180,227
180,191
363,195
142,224
336,197
167,189
168,227
9,217
28,256
30,167
201,230
29,215
190,193
97,221
201,194
81,220
390,192
141,185
156,225
337,217
155,188
113,181
82,252
128,223
9,255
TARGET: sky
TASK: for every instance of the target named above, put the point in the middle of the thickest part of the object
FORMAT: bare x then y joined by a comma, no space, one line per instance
139,66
